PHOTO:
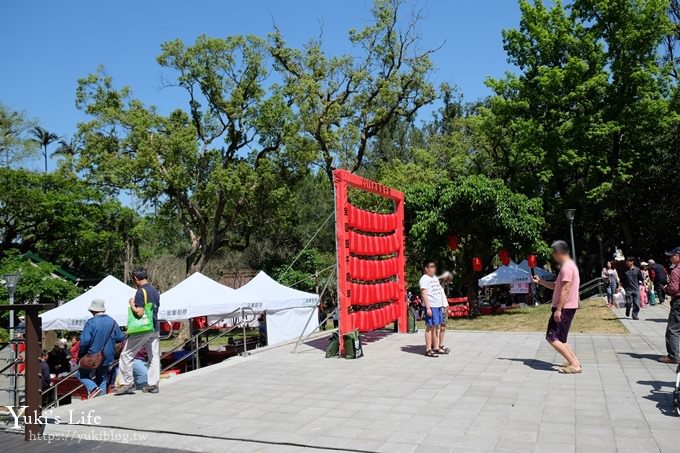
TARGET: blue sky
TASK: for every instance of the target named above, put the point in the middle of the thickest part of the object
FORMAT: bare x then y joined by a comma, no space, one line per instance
47,45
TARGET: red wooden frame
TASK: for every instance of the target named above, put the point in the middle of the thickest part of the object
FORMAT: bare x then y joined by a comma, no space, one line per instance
371,259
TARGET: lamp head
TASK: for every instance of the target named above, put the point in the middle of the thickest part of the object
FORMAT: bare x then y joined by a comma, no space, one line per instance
11,281
570,213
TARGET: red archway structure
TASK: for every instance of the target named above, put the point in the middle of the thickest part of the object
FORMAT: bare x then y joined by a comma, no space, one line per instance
371,259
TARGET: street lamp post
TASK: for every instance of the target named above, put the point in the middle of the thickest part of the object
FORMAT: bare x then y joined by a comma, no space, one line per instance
570,213
11,283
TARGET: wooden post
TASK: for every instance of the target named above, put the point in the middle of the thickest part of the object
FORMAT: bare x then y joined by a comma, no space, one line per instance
33,351
32,377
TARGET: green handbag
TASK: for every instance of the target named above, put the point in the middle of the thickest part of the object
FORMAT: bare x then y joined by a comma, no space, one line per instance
143,324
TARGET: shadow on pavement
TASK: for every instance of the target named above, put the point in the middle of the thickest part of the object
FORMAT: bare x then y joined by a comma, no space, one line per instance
536,364
414,349
635,355
663,399
657,319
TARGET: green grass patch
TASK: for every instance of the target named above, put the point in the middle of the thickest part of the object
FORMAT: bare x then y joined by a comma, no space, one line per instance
593,317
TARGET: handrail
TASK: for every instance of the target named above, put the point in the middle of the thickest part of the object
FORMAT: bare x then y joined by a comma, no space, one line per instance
243,319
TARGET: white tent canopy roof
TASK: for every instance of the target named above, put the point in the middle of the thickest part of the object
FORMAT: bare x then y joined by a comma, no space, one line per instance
504,275
276,296
198,295
542,273
74,314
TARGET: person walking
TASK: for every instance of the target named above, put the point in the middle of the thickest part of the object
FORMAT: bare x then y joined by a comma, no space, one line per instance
146,293
100,335
673,328
611,279
631,281
659,277
565,302
431,291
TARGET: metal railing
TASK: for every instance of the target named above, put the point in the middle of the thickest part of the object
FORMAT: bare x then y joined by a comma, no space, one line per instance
243,314
588,287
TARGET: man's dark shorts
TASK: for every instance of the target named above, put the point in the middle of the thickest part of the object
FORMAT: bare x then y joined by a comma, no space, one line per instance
560,330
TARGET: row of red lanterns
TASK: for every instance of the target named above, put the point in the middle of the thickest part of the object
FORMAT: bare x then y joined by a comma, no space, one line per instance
503,254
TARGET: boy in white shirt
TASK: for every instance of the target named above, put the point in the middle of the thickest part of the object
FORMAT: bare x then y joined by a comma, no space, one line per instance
432,294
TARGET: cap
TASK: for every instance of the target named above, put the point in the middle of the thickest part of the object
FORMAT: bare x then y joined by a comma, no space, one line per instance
675,251
62,343
97,305
644,263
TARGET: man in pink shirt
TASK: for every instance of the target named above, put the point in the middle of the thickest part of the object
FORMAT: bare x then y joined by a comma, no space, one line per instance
565,302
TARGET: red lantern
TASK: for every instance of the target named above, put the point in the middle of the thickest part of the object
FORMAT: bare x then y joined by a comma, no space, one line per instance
504,255
453,242
531,261
477,264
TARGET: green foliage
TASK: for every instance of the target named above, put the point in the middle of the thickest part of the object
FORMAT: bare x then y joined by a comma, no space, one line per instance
15,147
588,113
217,192
37,283
484,214
308,272
344,102
63,220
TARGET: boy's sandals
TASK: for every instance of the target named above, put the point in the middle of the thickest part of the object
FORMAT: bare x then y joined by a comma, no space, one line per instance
431,353
443,350
570,370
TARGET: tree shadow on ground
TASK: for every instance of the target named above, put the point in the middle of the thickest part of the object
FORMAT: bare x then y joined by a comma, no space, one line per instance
662,398
536,364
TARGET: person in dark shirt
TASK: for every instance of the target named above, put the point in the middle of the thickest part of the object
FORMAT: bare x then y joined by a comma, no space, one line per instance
631,280
58,360
146,293
659,277
45,379
673,327
100,334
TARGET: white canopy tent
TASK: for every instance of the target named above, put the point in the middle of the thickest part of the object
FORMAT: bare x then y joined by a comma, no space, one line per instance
288,310
74,314
198,295
542,273
504,275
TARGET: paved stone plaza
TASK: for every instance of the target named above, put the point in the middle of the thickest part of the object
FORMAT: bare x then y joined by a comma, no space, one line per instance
496,392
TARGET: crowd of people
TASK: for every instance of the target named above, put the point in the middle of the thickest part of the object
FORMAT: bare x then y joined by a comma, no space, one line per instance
649,284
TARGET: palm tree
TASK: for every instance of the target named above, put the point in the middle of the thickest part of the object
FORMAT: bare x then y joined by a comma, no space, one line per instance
43,138
68,148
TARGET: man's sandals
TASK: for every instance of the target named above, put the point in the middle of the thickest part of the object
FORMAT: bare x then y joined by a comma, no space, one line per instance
431,353
437,352
570,370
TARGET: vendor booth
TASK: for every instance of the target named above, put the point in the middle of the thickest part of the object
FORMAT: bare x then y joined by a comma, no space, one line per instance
505,275
288,311
198,295
542,273
74,314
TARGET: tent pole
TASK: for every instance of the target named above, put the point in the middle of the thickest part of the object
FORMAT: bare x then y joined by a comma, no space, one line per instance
245,343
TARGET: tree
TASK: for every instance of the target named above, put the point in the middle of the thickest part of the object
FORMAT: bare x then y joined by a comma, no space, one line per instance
217,168
586,115
43,138
344,102
14,146
484,214
38,282
65,221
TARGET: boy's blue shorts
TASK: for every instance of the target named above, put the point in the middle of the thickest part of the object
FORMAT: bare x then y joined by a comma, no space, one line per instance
435,319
